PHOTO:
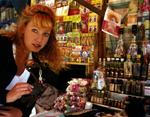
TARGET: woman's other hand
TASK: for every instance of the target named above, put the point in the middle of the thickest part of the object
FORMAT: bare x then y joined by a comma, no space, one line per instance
10,112
18,91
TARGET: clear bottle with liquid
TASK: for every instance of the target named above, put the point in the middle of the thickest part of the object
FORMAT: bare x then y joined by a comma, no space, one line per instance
101,77
128,67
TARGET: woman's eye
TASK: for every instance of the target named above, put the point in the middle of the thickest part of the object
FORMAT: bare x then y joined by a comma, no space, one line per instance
34,30
46,34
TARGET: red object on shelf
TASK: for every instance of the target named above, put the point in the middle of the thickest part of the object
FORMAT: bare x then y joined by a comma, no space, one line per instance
73,11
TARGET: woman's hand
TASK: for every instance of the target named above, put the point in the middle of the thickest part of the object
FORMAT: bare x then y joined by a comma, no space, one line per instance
10,112
18,91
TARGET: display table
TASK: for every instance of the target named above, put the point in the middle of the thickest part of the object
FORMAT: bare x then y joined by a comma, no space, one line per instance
52,113
82,113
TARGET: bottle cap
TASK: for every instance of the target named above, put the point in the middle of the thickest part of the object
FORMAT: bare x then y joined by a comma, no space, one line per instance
122,59
108,59
100,60
138,56
128,56
117,59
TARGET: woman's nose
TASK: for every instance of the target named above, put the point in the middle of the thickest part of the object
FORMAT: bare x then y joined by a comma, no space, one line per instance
39,38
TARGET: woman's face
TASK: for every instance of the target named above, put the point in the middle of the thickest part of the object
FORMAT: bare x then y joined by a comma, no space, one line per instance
35,38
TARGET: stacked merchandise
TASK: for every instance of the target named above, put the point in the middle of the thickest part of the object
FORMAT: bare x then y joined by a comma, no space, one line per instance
144,25
8,15
76,29
126,24
75,98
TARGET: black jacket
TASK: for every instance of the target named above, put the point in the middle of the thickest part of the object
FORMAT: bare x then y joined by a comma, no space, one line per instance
8,70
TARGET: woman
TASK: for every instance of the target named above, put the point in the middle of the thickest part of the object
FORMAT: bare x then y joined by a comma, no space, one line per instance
34,34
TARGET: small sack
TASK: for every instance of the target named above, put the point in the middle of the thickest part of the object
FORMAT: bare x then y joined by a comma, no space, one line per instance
30,100
47,93
47,98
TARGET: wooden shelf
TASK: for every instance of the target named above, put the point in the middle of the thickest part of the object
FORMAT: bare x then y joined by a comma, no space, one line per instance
109,107
89,66
76,63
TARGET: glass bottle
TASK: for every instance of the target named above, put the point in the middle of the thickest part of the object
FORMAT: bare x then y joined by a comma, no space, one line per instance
144,69
138,88
95,79
133,87
128,67
116,72
111,85
107,68
148,74
128,87
133,49
119,51
121,68
100,64
100,72
112,66
137,67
